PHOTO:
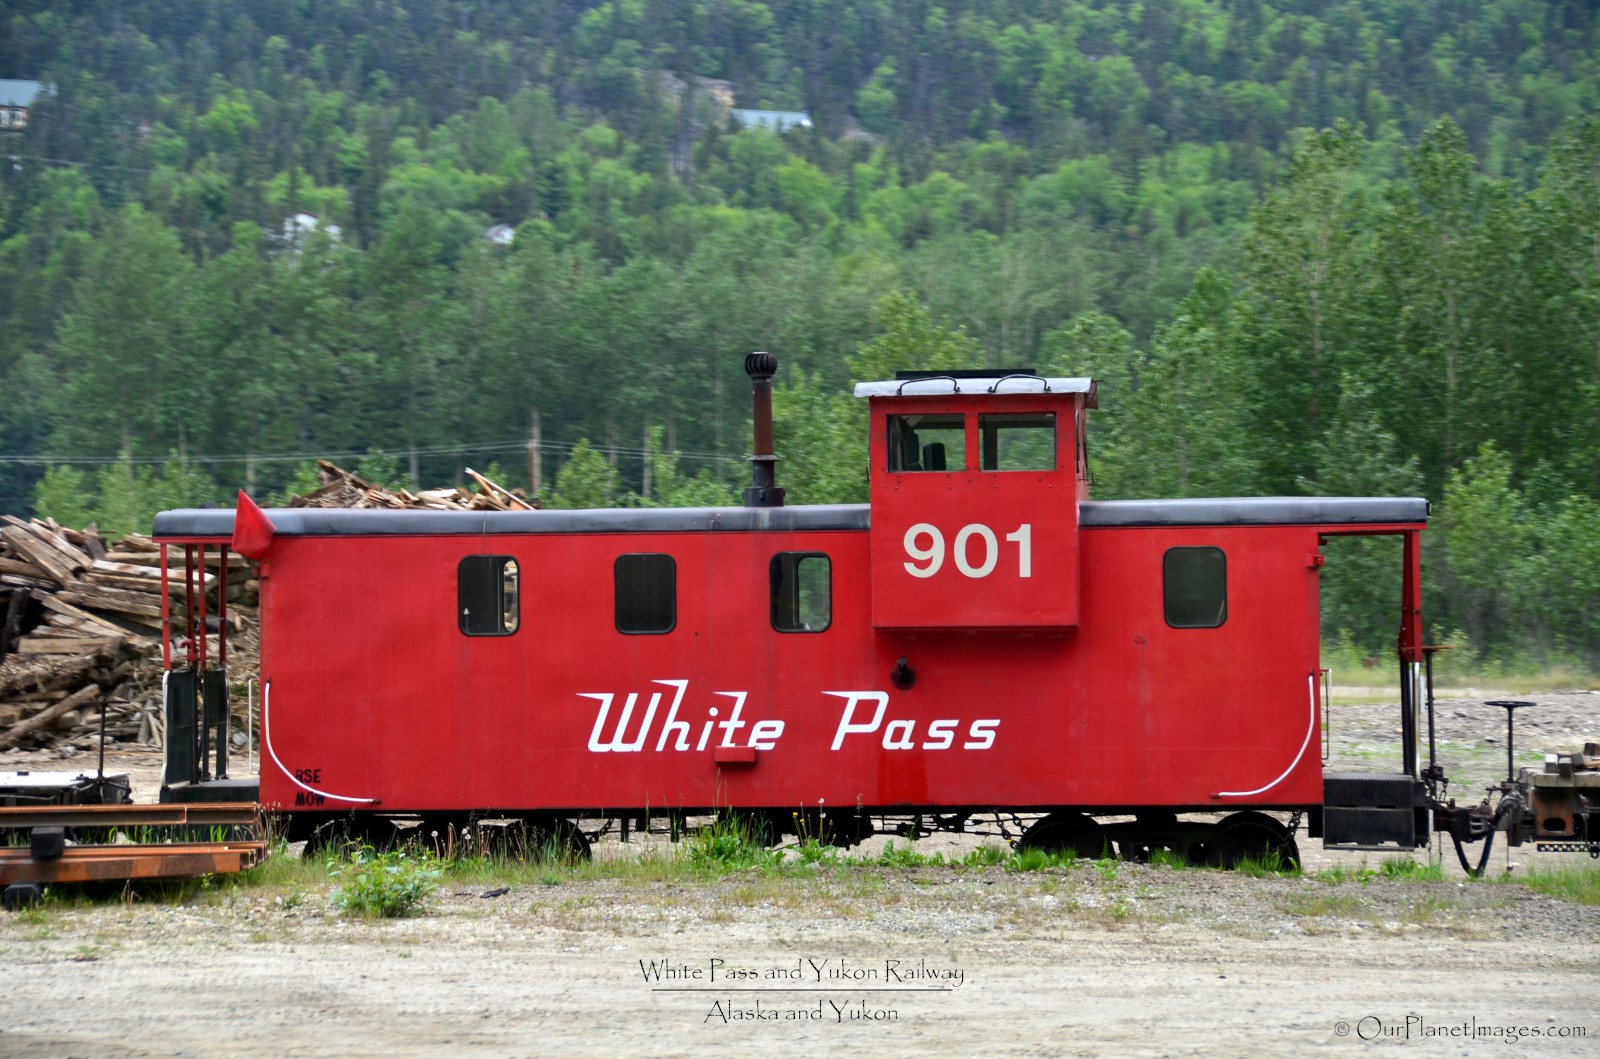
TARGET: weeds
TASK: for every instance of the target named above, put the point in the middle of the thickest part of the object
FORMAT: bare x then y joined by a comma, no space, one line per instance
1340,874
810,851
1411,868
987,855
1321,904
1522,672
729,845
1425,911
363,881
1162,857
389,884
1578,883
1030,860
1272,864
37,915
906,858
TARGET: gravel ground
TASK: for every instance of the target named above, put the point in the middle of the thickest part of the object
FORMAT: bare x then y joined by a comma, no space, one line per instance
1089,960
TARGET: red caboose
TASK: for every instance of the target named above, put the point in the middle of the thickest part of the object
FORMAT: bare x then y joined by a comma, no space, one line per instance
982,638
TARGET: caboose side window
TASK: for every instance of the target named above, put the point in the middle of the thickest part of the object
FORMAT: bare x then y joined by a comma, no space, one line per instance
486,595
1195,585
1018,441
646,593
927,443
802,592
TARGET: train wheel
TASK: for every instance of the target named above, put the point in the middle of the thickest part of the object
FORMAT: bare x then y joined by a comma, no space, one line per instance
1067,833
19,896
1252,836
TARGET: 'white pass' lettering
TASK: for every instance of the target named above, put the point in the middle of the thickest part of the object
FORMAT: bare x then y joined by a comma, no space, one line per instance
866,716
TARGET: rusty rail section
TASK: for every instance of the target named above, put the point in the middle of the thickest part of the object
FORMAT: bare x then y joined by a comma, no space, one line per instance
49,858
200,814
78,864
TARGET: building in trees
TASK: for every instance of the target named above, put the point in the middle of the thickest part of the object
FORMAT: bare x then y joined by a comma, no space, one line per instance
16,98
776,120
297,227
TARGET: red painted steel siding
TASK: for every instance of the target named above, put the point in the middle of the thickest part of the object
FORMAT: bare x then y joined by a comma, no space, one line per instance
1033,583
373,685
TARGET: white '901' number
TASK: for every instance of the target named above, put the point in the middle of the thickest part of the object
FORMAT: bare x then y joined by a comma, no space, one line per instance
928,558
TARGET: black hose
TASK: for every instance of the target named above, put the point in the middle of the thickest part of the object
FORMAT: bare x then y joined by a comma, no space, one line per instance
1488,841
1461,855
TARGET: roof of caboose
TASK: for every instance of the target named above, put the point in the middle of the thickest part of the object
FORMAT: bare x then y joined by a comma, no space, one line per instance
347,522
1015,384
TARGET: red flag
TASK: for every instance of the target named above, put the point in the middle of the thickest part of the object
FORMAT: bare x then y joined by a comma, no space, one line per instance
252,530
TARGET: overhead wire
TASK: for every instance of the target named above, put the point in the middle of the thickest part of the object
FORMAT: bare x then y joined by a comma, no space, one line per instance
50,459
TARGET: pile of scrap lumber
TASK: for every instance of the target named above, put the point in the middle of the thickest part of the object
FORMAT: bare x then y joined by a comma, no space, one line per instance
80,632
80,618
342,488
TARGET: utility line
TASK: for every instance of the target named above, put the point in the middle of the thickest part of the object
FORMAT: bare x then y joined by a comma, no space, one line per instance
302,457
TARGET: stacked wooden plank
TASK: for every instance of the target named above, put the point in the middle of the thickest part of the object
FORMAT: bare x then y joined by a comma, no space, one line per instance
80,631
80,617
342,488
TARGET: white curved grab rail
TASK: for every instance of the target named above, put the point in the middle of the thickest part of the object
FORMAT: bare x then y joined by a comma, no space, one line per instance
266,741
1311,726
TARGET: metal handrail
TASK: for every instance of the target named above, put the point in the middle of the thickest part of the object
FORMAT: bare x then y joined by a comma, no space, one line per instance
951,379
1038,378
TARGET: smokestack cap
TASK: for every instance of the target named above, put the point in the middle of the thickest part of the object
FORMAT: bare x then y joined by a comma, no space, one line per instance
760,365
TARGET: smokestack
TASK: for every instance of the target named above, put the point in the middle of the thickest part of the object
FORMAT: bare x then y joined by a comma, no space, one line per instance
764,491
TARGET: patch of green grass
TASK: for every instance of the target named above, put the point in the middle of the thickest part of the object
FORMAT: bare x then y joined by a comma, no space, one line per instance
1030,860
1578,883
1411,868
1273,864
728,844
290,901
1425,910
987,855
906,858
651,865
901,856
810,851
1321,904
1162,857
1340,873
1517,673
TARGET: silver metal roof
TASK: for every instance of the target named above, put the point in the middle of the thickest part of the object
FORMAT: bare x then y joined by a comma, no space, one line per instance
342,522
781,120
998,385
1212,511
1256,511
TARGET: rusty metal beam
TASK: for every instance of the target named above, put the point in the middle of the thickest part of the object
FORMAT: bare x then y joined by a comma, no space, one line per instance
108,863
199,814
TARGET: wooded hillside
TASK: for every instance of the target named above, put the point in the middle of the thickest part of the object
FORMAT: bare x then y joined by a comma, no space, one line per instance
1405,301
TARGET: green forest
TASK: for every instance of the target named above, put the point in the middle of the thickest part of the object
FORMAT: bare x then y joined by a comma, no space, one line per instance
1342,247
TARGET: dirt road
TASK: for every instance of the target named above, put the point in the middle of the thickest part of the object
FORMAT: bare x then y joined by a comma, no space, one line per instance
1152,961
